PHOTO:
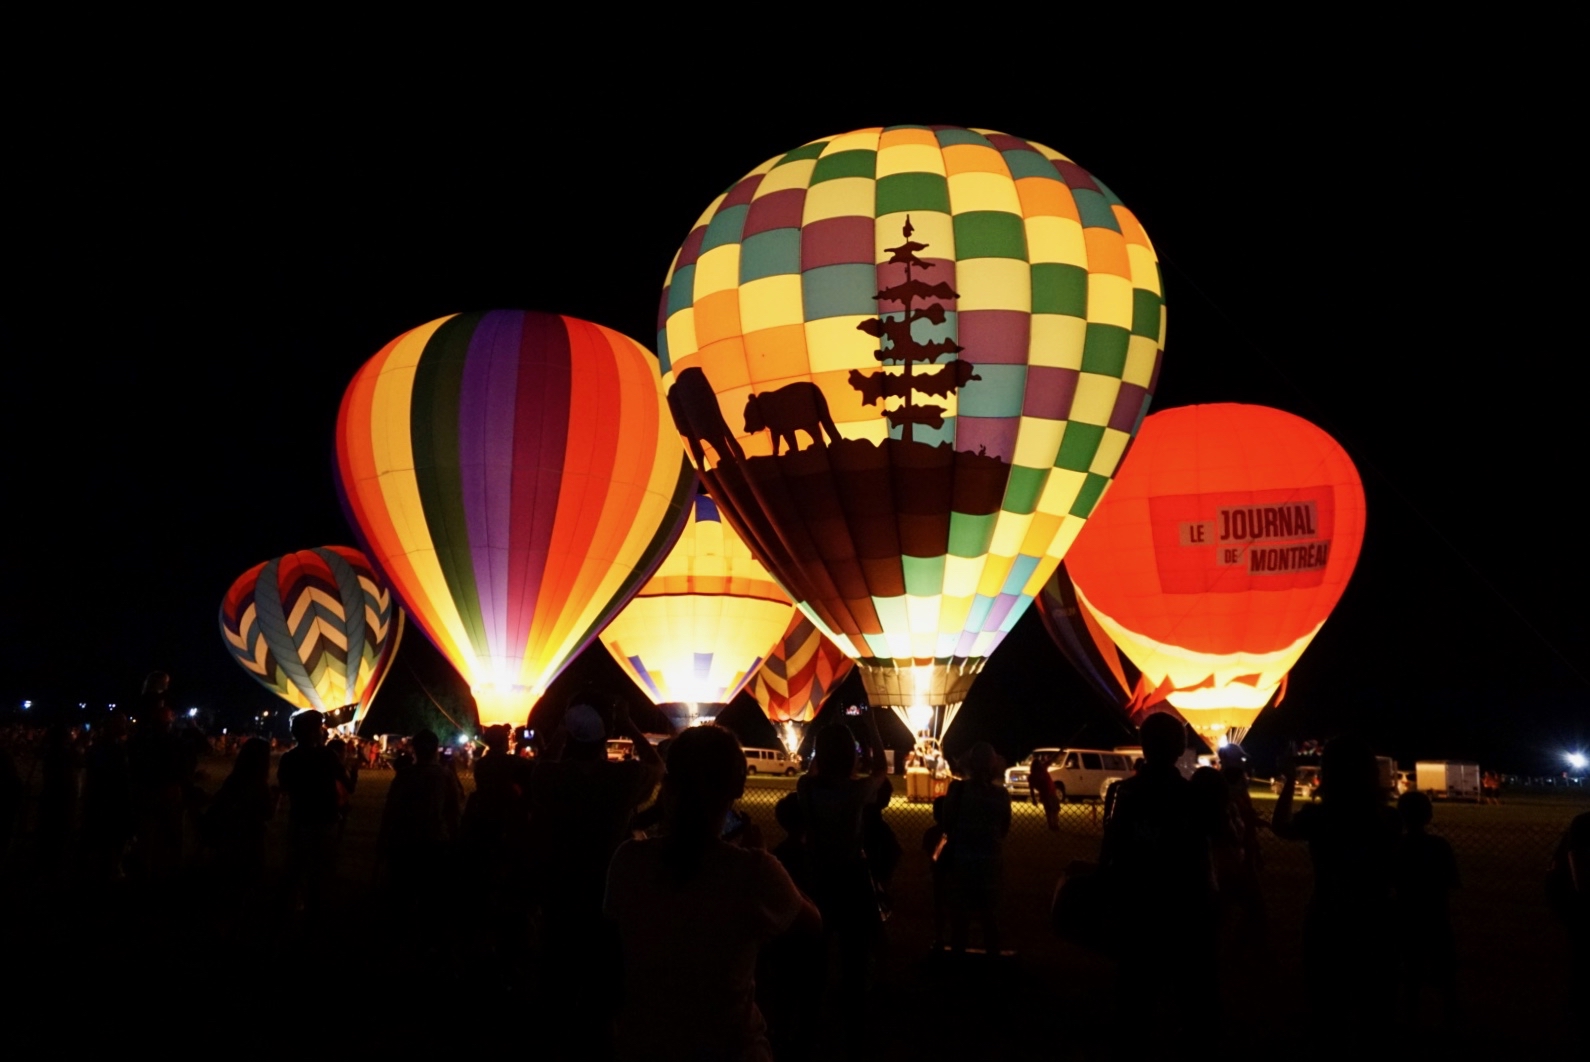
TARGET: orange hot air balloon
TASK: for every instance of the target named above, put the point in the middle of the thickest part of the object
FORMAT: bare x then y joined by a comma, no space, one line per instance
1227,538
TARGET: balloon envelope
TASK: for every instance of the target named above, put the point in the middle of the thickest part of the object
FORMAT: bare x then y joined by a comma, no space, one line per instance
1217,555
317,628
799,673
703,623
907,362
516,477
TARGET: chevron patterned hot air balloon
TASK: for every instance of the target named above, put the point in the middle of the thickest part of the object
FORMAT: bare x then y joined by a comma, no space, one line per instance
797,677
317,628
517,477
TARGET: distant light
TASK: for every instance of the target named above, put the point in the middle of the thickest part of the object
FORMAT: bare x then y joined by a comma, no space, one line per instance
26,705
1577,760
192,712
80,704
463,739
110,706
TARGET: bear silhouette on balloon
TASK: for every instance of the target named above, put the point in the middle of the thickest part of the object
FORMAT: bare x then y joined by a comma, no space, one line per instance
698,418
799,406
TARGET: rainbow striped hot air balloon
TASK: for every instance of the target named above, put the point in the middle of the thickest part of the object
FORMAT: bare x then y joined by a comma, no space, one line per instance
797,677
317,628
517,478
702,625
907,361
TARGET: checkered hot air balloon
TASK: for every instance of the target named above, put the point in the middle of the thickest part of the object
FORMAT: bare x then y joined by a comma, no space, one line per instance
317,628
516,477
701,626
1226,541
907,362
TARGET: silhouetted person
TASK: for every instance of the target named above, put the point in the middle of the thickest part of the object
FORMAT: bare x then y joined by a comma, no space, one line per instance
581,806
1353,839
1427,873
880,843
312,779
497,814
832,798
692,910
1568,891
159,778
419,826
107,798
1156,857
791,851
1042,789
57,795
234,824
976,818
1240,885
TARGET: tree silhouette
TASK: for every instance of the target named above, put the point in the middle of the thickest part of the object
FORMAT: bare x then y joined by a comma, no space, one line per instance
899,347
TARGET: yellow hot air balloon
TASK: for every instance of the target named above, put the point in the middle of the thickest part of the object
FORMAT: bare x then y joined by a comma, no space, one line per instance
907,361
697,631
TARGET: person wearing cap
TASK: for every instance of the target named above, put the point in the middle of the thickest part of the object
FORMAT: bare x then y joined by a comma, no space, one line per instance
581,806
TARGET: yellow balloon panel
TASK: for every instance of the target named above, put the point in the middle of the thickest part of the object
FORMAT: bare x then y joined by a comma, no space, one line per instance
702,625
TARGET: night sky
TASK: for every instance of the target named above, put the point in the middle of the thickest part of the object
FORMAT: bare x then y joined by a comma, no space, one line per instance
1385,246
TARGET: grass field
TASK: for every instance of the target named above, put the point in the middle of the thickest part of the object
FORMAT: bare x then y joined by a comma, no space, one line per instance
1512,978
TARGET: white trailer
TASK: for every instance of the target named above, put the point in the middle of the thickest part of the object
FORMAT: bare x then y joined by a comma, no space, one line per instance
1444,779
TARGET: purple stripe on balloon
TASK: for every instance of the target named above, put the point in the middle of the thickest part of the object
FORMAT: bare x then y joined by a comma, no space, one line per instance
989,436
485,444
1128,406
1050,390
540,440
963,647
997,614
995,337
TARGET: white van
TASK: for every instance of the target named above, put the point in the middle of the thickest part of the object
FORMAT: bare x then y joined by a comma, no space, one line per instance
771,761
1078,774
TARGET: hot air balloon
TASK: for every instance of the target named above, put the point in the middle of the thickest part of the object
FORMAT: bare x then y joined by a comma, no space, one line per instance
797,677
1083,642
906,362
517,477
317,628
699,628
1216,557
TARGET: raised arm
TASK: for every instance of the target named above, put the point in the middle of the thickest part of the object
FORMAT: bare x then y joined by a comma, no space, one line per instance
1281,818
645,751
875,752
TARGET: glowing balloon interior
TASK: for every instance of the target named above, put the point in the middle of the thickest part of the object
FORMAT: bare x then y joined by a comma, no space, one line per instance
517,477
906,362
1227,539
700,627
317,628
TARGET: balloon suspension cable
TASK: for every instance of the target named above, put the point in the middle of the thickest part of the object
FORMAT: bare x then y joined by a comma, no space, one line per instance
435,705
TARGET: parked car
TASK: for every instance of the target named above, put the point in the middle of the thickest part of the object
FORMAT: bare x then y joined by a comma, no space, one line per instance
1078,774
772,761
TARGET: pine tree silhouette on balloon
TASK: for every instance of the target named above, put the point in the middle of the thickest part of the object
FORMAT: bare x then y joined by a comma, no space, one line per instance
898,346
